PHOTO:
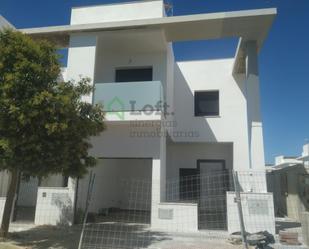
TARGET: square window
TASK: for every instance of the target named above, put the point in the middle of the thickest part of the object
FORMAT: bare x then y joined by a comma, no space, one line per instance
206,103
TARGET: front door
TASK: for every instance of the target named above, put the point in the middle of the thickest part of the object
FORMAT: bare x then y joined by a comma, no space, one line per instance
214,183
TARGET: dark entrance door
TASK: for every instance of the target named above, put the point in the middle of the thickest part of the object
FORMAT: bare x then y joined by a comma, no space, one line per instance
214,183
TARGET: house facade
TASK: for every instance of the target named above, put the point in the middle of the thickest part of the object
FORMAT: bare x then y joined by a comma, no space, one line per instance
175,125
288,180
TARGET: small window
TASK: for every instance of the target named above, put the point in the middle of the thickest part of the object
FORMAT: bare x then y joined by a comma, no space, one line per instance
134,74
206,103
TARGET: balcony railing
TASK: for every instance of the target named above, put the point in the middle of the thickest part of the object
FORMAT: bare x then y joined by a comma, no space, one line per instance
129,96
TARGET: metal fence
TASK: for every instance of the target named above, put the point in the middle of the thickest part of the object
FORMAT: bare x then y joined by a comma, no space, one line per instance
198,210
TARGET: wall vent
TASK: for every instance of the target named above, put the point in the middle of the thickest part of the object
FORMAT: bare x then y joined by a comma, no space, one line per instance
166,214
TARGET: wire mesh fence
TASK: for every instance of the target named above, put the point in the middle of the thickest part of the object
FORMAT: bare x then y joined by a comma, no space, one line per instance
199,209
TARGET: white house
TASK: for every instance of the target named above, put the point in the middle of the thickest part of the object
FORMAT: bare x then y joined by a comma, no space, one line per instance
167,120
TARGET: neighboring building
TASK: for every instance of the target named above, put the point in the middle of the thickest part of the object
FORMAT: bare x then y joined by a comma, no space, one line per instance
288,180
5,23
212,124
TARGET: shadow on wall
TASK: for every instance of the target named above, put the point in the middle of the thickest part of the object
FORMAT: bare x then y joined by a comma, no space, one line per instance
66,211
184,111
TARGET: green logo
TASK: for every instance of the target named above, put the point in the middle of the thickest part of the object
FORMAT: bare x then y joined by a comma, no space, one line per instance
116,107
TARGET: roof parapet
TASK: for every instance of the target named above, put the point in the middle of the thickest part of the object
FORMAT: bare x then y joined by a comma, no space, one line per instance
5,23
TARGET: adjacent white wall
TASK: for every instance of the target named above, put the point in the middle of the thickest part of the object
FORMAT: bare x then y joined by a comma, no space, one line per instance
184,217
117,12
54,206
125,140
231,125
252,93
185,155
2,204
258,212
81,59
27,194
4,183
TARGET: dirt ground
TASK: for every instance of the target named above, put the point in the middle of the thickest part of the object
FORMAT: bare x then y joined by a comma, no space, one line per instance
44,237
47,237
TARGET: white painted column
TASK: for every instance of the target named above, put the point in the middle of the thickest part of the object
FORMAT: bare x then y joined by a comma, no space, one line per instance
255,126
256,181
81,59
158,190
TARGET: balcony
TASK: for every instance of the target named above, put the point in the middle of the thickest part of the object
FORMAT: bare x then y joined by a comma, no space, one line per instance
130,100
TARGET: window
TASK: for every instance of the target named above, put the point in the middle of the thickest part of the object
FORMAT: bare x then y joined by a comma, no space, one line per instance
134,74
206,103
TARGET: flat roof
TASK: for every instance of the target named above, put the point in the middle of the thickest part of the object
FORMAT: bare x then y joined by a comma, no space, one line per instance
245,24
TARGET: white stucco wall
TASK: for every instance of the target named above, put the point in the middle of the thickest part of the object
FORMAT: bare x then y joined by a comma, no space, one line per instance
4,183
124,140
185,155
107,63
55,206
231,125
133,10
258,212
2,204
184,217
81,59
27,194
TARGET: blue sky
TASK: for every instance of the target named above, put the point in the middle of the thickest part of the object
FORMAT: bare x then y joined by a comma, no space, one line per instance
284,60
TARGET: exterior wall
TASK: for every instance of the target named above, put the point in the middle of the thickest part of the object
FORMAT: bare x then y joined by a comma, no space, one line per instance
128,50
27,194
285,160
255,126
169,93
81,58
212,75
185,155
53,181
258,212
55,206
4,183
126,140
108,62
115,179
182,213
117,12
2,204
285,185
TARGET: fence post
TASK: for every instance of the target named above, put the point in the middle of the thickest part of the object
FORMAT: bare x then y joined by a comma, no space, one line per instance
239,207
88,199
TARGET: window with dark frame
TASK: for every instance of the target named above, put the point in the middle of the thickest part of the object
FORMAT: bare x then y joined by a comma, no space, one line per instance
134,74
206,103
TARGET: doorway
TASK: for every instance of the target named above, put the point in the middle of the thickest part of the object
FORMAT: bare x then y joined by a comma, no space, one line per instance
214,183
